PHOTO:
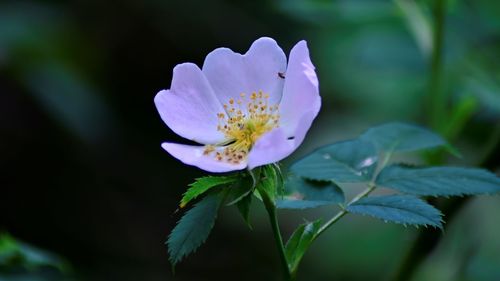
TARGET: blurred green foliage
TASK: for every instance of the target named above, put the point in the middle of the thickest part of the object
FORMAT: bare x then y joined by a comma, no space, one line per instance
83,174
20,261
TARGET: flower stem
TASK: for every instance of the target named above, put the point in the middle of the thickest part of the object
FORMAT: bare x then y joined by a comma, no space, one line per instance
269,183
279,243
273,219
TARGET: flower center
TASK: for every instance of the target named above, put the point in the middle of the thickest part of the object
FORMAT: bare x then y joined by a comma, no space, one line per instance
244,122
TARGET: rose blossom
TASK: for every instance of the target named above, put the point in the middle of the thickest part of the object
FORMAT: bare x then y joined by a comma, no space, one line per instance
245,110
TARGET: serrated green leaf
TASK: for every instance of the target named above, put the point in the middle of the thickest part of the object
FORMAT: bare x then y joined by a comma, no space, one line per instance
348,161
304,194
439,181
398,136
193,228
299,242
402,209
202,185
244,208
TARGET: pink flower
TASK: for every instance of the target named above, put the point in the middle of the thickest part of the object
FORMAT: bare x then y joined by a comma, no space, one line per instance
245,110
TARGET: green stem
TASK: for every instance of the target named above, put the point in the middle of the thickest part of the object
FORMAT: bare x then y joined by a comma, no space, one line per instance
437,96
273,219
371,186
331,222
366,192
343,212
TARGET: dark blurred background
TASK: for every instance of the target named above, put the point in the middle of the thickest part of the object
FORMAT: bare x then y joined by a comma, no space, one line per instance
83,177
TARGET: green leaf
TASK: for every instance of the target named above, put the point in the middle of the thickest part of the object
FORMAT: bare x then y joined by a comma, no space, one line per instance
304,194
268,182
18,254
348,161
398,136
439,181
280,178
244,208
202,185
255,174
193,228
299,242
402,209
243,186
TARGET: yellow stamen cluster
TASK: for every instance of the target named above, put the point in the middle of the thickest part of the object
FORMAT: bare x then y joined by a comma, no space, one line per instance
245,120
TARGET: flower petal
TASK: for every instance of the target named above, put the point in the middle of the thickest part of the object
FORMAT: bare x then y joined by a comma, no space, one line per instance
231,74
276,145
300,92
303,126
193,155
190,107
270,148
